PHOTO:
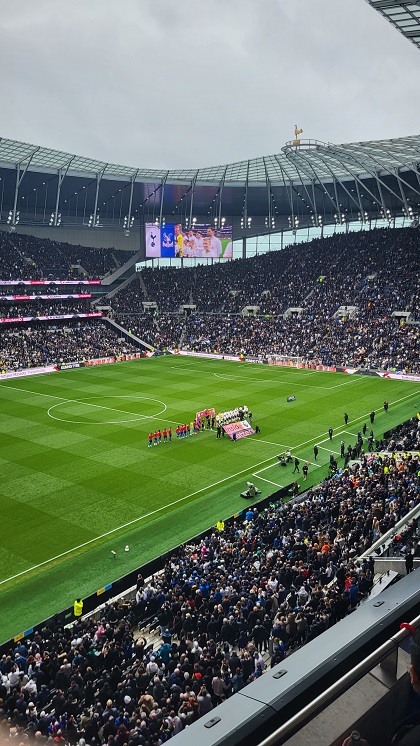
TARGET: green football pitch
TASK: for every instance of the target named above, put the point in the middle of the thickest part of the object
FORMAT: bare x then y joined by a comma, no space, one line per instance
79,481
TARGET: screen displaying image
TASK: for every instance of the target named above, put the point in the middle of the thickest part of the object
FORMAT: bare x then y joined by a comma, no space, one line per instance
152,241
202,241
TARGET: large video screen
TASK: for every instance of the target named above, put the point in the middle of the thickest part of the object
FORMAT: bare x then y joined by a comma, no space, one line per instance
202,241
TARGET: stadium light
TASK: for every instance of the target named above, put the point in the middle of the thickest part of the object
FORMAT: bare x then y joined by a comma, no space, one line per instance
53,221
10,222
93,223
128,222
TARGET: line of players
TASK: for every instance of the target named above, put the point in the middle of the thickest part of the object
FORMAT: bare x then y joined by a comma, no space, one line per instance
165,435
156,437
184,431
233,415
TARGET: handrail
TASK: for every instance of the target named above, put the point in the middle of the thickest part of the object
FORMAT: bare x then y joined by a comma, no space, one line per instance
339,687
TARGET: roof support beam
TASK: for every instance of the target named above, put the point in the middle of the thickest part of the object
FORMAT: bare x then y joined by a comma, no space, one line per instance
288,188
99,176
362,212
62,173
335,179
380,183
193,183
245,208
19,178
222,183
268,185
130,203
360,183
403,195
310,171
162,195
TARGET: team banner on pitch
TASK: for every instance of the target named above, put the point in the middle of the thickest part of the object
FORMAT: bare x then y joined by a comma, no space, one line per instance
239,429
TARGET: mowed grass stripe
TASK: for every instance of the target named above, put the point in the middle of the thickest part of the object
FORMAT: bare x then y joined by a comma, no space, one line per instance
109,476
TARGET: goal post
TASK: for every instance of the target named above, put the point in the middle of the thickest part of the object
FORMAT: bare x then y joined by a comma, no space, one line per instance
288,361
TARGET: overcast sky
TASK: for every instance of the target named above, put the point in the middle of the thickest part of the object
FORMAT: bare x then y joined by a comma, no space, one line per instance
167,84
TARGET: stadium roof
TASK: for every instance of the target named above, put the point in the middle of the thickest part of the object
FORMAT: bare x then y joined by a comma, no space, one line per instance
307,183
308,160
405,16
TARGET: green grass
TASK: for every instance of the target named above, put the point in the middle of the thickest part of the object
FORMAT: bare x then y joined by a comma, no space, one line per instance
78,480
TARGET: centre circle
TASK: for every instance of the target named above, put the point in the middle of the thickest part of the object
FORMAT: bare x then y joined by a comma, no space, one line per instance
134,417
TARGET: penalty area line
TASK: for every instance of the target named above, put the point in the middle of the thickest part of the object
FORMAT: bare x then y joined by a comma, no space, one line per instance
268,480
270,442
330,450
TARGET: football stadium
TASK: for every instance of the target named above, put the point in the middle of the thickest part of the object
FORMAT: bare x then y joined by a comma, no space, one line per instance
210,445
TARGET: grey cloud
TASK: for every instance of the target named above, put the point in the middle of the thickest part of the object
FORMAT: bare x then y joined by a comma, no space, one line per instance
157,83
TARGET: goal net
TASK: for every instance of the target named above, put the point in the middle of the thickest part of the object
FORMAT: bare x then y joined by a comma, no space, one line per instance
288,361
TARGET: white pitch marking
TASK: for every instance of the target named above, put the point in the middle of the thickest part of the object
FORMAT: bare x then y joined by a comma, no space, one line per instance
110,409
175,502
185,365
267,480
280,382
352,422
134,520
270,466
63,400
270,442
330,450
318,466
346,383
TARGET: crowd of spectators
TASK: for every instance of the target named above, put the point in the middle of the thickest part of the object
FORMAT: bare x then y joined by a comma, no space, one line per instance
376,269
47,289
25,257
227,606
22,347
374,274
251,592
161,331
349,289
378,344
44,308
